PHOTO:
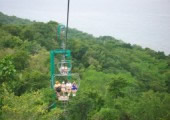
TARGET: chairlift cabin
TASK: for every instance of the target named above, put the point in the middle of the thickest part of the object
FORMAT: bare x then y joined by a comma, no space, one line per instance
63,70
57,71
69,86
64,67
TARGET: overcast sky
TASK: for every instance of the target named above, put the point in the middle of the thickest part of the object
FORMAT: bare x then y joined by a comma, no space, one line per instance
142,22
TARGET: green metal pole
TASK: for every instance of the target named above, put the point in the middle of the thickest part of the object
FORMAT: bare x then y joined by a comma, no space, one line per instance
52,65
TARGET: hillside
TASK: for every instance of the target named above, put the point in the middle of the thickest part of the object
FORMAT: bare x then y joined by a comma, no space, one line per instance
119,81
4,19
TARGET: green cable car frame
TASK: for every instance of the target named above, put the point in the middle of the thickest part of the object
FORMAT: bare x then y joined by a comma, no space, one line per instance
53,53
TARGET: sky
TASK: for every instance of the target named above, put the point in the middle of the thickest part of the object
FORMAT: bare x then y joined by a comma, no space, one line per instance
141,22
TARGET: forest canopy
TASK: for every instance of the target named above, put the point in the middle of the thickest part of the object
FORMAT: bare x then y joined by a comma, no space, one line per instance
119,81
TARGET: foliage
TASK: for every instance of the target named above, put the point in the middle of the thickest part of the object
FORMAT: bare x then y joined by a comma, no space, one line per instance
7,69
4,19
28,106
85,105
119,81
21,60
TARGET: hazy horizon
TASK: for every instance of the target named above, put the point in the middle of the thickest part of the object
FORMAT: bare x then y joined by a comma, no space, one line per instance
145,23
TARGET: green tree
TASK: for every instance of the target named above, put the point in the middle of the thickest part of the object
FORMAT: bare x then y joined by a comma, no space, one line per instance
152,106
21,60
106,114
32,106
7,69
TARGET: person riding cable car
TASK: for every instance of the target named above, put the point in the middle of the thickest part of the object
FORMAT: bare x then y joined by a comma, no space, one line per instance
63,88
57,88
64,70
68,88
63,96
74,88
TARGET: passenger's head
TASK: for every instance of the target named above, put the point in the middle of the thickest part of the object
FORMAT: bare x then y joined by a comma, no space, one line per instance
57,82
74,82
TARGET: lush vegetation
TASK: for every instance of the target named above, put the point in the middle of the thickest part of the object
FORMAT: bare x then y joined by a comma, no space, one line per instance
4,19
119,81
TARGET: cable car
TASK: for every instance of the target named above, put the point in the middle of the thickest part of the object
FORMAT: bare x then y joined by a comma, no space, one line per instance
63,81
64,67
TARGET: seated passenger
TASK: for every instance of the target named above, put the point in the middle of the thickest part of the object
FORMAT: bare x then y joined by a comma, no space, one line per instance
63,88
61,69
68,88
64,70
57,88
74,88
